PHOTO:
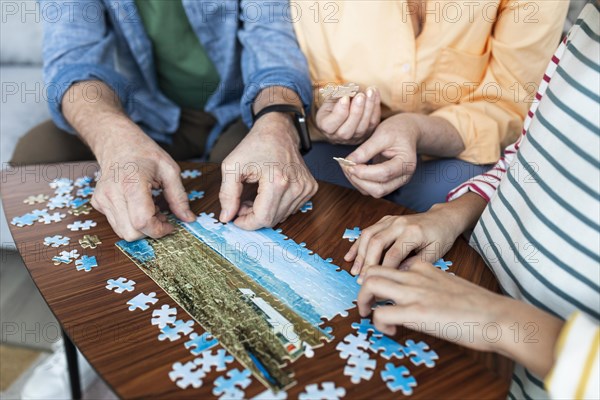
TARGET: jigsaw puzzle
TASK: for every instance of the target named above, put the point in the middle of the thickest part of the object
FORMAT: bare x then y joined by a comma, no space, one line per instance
61,182
365,327
334,92
58,202
175,330
213,359
89,241
200,343
85,191
86,263
327,391
306,207
163,316
49,218
442,264
390,348
142,301
398,378
360,367
120,285
24,220
82,210
190,174
419,353
271,395
78,202
40,198
56,241
83,181
352,234
80,225
352,345
344,162
65,257
186,375
230,387
195,195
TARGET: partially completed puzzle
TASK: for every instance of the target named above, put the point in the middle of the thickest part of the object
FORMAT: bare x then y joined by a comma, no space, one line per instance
262,295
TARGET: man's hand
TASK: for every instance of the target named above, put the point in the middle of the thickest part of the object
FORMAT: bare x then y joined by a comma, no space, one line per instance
350,120
269,156
131,165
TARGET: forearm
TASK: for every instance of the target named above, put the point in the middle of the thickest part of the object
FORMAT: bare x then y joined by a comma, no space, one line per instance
462,213
278,95
436,136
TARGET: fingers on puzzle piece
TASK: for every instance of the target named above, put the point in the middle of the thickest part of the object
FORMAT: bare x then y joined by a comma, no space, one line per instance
120,285
230,387
420,354
365,326
86,263
360,367
398,378
346,163
390,347
352,234
190,174
65,257
200,343
49,218
142,301
163,316
334,92
352,345
327,391
186,375
195,195
217,359
175,330
90,241
80,225
37,199
56,241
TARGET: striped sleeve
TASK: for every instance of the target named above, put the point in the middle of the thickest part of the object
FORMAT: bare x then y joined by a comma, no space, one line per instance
485,185
577,366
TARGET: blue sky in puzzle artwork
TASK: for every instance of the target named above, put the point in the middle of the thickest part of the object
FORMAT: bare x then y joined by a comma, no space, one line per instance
305,282
139,249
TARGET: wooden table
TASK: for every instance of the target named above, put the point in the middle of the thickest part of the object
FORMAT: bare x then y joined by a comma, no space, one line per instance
122,346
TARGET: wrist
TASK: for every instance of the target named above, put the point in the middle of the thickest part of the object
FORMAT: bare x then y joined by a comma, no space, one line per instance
279,126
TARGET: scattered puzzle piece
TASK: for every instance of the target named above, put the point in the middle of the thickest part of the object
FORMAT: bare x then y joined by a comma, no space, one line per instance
195,195
390,347
58,202
360,367
270,395
156,192
65,257
200,343
120,285
306,207
398,378
61,182
79,225
346,163
328,391
190,174
56,241
37,199
164,316
86,263
64,191
442,264
420,354
39,213
174,332
229,387
308,351
82,210
83,181
49,218
185,375
85,191
78,202
352,345
141,301
90,241
209,359
352,234
365,326
334,92
24,220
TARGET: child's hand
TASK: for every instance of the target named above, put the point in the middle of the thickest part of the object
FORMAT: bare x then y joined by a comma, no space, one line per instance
350,121
393,238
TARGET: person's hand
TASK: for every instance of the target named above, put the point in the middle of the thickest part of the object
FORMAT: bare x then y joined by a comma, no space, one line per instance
269,156
132,165
350,120
394,144
429,235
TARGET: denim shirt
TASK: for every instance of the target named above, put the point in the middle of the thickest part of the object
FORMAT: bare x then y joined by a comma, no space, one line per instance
251,43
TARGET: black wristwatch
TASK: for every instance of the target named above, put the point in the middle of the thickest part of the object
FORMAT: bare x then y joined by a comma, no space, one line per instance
299,122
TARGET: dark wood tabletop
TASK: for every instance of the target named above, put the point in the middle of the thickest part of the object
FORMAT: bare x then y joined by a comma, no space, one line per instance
122,346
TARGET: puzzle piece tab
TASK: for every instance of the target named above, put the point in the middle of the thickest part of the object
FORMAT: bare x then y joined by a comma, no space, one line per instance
327,391
352,345
86,263
209,359
56,241
200,343
352,234
398,378
360,367
141,301
174,332
120,285
185,375
229,387
420,353
164,316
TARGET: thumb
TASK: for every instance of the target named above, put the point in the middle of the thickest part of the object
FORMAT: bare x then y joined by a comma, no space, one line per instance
369,149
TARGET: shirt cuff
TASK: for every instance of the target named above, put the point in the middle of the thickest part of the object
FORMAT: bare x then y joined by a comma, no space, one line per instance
71,74
293,80
577,367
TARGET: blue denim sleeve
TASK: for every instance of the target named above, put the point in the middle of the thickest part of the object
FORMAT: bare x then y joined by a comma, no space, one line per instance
78,45
271,55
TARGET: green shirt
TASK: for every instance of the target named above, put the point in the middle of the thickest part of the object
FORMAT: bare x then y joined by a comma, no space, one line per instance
185,73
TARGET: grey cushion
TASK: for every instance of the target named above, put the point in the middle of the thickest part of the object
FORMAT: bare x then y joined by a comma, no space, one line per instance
21,33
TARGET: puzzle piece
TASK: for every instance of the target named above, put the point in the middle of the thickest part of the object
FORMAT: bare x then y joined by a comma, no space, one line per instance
83,181
229,387
156,192
56,241
398,378
58,202
24,220
390,347
37,199
420,354
78,202
83,226
82,210
209,359
346,163
200,343
334,92
39,213
352,234
164,316
120,285
308,351
360,367
174,332
306,207
442,264
352,345
328,391
365,326
190,174
61,182
141,301
90,241
49,218
85,191
185,375
195,195
270,395
86,263
65,257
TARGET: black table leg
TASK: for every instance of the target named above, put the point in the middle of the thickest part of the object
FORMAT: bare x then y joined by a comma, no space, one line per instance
73,365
